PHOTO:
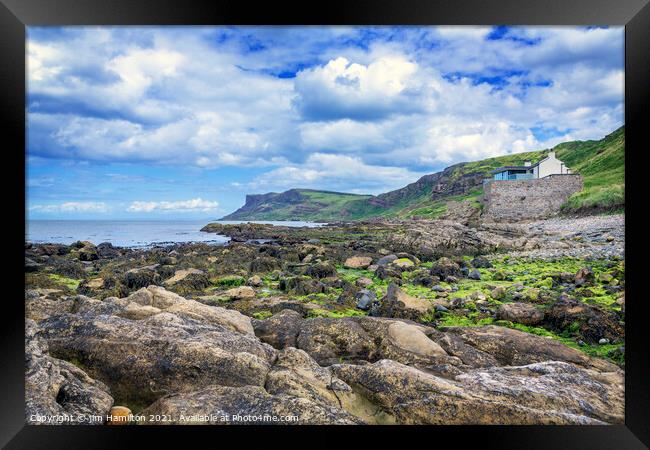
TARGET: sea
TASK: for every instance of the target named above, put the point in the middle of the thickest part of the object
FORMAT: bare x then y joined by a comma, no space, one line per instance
132,233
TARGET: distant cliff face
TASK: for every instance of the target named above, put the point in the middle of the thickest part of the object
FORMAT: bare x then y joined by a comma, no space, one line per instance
305,204
600,162
449,182
295,204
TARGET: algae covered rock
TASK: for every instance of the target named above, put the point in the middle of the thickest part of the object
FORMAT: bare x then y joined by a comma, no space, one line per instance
444,268
321,270
396,303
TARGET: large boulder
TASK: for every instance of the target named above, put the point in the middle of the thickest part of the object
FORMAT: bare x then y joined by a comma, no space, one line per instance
221,405
295,373
57,388
330,341
541,393
170,344
39,307
523,313
160,298
514,347
358,339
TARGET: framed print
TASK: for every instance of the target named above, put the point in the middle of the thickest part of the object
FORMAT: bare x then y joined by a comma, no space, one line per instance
407,217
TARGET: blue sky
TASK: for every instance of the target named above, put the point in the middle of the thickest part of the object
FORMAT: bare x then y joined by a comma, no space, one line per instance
183,122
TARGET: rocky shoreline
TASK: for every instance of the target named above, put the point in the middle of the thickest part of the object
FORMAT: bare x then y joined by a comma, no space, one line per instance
378,322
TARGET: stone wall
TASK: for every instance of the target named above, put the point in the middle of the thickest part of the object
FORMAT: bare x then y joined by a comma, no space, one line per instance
528,199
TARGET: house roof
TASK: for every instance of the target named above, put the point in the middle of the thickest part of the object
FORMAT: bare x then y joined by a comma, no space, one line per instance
504,168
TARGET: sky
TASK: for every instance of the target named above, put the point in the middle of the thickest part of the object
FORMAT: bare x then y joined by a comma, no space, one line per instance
183,122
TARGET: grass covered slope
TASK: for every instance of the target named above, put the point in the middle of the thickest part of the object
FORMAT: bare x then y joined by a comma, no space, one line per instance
295,204
601,163
602,166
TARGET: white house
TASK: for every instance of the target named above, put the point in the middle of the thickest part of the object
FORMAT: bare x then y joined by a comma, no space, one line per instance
547,166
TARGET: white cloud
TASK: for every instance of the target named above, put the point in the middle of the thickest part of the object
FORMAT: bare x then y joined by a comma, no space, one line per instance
71,207
367,106
340,172
342,88
194,205
344,136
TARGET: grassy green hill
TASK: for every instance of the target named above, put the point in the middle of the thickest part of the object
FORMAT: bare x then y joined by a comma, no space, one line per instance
601,163
602,166
295,204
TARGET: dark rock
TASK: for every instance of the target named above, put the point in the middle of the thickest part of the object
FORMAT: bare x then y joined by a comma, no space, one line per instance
593,323
264,264
140,278
474,275
194,282
481,263
88,252
384,261
321,270
445,268
31,265
70,269
398,304
106,250
365,298
280,330
54,387
423,278
302,286
389,272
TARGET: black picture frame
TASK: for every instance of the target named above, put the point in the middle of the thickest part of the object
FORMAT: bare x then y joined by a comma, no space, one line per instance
15,15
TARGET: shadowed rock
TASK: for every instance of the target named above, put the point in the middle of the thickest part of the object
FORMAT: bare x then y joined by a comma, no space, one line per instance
54,387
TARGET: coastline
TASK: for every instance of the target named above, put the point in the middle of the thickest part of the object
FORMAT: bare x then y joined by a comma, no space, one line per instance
471,308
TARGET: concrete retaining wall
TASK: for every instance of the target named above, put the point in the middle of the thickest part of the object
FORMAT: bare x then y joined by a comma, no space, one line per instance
528,199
